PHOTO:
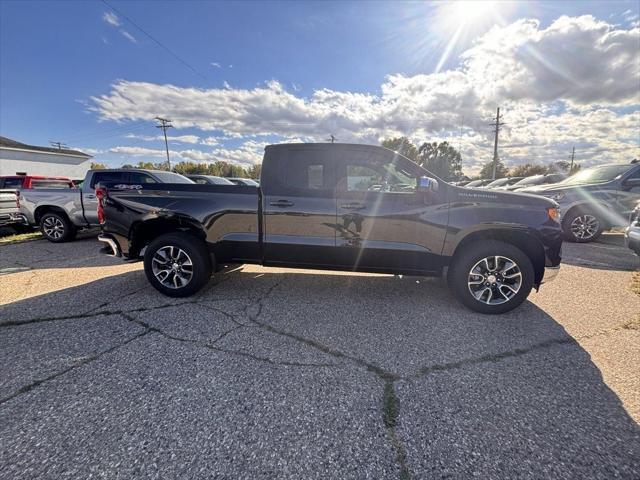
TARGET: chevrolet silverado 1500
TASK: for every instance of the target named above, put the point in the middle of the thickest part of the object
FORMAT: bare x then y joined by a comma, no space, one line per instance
61,212
342,207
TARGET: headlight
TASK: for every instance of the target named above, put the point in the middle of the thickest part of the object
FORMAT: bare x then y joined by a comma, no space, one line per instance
558,196
554,213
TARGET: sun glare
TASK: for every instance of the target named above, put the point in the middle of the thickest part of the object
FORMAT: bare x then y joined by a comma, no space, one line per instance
461,20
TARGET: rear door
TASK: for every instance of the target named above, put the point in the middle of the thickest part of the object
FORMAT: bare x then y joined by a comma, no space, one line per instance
299,207
383,223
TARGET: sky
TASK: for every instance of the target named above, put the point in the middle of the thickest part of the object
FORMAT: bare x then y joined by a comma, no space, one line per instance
236,76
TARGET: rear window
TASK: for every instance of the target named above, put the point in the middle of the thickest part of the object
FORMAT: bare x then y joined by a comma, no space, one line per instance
50,184
109,177
170,177
12,183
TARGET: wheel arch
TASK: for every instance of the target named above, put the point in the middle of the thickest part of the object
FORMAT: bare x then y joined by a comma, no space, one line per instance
602,209
42,209
144,232
522,239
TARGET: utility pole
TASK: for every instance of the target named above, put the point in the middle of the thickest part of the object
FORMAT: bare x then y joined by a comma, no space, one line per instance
497,126
573,155
59,145
164,124
332,138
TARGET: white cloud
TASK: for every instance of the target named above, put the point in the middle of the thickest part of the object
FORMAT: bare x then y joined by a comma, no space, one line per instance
215,64
248,153
154,138
566,83
128,36
111,19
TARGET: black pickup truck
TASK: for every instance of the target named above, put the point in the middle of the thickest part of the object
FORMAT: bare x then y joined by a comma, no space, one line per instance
342,207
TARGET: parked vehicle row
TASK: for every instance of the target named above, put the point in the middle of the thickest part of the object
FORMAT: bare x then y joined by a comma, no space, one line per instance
316,208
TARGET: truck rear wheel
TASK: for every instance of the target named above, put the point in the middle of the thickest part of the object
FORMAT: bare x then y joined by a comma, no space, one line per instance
177,264
491,277
56,227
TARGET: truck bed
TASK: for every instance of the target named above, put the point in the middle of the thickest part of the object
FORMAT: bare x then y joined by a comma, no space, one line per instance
229,214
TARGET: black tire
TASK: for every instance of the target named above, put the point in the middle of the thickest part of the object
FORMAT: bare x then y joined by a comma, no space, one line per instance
578,226
56,227
168,246
460,275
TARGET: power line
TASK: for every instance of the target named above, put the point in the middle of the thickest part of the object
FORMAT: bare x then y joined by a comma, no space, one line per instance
164,124
58,145
156,41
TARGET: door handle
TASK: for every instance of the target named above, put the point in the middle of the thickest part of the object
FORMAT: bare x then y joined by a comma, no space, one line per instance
90,196
353,206
282,203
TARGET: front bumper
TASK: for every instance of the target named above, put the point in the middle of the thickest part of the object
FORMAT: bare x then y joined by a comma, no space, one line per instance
112,248
550,274
632,238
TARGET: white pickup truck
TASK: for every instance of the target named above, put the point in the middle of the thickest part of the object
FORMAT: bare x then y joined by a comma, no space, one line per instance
60,213
10,215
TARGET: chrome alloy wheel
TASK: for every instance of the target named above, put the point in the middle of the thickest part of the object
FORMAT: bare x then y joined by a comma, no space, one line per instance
172,267
53,227
585,226
495,280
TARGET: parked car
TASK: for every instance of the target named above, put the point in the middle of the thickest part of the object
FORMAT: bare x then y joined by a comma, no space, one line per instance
632,232
534,180
61,212
23,182
479,183
315,209
503,182
243,181
209,179
594,199
10,215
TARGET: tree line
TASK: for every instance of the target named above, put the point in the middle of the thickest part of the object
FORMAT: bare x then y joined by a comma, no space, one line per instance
445,161
218,169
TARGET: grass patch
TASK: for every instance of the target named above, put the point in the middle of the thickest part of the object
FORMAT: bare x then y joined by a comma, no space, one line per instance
390,406
20,237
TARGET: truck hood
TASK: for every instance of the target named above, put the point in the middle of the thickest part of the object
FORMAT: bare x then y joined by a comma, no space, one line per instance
501,196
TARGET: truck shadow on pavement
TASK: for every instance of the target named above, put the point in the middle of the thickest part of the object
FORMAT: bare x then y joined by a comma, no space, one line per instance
458,393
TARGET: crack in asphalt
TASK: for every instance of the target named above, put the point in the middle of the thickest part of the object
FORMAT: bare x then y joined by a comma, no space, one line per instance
211,344
83,361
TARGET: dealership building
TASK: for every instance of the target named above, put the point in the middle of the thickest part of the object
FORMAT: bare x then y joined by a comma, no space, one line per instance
20,159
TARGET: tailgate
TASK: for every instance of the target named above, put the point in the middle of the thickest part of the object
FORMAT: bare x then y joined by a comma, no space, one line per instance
8,201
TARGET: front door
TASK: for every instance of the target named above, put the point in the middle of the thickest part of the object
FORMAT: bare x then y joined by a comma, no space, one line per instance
299,220
383,223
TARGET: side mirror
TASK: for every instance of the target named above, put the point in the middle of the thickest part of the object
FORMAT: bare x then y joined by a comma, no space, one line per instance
427,184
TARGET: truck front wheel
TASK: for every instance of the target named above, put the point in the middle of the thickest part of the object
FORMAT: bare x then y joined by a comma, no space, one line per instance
490,276
177,264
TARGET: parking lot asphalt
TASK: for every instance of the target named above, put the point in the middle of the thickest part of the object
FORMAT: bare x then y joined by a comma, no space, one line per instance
277,373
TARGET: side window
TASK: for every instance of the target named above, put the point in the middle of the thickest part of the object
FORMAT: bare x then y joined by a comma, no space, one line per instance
383,177
109,177
307,172
12,183
139,178
363,179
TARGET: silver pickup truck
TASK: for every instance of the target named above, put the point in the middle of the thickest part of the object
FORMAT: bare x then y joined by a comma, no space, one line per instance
10,215
60,213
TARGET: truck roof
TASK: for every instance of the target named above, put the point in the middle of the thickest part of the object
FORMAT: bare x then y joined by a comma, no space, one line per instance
337,146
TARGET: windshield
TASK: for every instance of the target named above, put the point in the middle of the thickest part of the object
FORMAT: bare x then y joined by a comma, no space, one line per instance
170,177
498,183
535,180
596,175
